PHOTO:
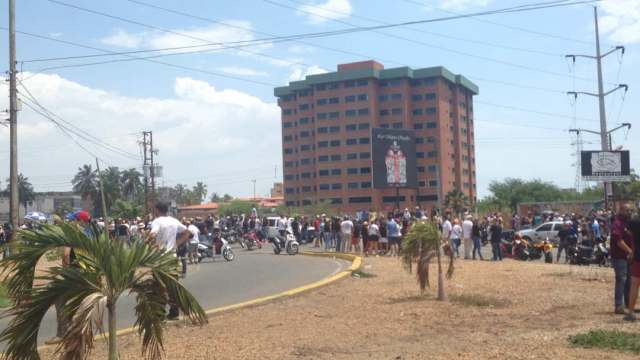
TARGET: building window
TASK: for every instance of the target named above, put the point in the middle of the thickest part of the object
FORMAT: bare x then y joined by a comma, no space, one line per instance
334,143
417,126
288,164
323,144
420,168
430,110
304,134
364,141
352,185
432,154
336,157
416,97
363,126
334,100
333,86
432,168
323,130
363,83
337,186
383,98
396,96
417,112
384,126
288,151
336,201
289,190
419,140
416,82
303,121
323,173
360,199
432,125
321,102
287,111
422,183
396,111
384,112
305,147
392,199
420,155
288,177
321,87
350,127
306,189
430,96
306,161
397,125
287,138
365,185
365,170
352,171
334,115
305,175
433,183
304,93
350,83
350,113
303,107
324,186
352,141
365,155
287,124
352,156
323,158
335,172
363,97
350,98
431,140
334,129
322,116
364,111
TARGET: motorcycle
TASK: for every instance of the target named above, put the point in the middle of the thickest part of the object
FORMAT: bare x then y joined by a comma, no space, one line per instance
219,247
232,235
250,240
587,254
539,249
287,243
521,249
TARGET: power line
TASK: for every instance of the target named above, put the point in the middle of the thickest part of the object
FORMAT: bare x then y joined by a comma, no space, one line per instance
76,130
418,42
544,113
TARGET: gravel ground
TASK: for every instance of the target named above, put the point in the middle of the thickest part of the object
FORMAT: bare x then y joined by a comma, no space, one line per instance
506,310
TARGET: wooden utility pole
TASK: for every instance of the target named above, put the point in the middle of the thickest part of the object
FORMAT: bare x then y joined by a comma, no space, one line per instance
13,123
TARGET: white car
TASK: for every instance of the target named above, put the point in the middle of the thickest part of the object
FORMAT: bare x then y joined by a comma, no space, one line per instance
547,230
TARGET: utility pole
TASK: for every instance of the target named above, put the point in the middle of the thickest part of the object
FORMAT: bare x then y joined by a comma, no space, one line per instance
604,133
13,123
148,168
152,172
145,168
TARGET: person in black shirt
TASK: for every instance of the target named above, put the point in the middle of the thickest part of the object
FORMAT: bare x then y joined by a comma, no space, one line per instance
634,229
476,236
564,234
495,231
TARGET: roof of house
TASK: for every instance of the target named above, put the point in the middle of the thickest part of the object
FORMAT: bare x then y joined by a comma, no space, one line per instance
207,206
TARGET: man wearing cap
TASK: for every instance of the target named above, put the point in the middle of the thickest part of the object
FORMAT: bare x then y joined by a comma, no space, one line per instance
167,233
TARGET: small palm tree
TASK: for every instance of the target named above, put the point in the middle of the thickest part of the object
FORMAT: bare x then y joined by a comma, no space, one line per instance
106,270
26,194
131,183
85,182
420,245
457,201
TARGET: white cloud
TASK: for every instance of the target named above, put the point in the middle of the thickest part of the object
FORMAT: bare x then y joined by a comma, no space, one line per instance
318,13
622,20
301,49
299,73
239,31
456,5
201,130
242,71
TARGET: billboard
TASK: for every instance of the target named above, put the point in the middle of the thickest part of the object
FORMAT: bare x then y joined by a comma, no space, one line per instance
605,165
393,154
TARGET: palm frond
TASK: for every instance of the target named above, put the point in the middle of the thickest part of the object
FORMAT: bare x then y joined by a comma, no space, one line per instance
422,272
88,315
150,311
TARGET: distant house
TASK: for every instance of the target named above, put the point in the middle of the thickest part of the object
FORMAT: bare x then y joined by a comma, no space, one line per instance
46,202
202,210
265,202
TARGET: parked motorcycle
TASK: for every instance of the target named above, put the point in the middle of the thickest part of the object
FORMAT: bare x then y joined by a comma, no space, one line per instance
287,243
219,247
540,249
250,241
517,249
587,254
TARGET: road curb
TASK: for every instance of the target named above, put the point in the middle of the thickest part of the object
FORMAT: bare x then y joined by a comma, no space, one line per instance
356,263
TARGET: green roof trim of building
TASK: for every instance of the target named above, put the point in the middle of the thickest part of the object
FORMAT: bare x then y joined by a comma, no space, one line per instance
385,74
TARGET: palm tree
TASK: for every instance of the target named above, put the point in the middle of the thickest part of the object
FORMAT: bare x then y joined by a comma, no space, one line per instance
85,182
108,269
199,191
112,185
180,191
457,201
26,194
131,184
421,245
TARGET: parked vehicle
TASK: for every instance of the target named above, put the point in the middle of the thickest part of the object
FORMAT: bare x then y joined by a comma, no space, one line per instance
586,253
287,243
547,231
250,241
541,249
218,248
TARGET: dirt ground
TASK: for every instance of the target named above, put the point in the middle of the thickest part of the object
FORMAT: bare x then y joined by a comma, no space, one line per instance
506,310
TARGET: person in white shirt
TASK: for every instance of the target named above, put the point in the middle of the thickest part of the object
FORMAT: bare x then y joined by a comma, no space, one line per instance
193,242
346,227
446,231
167,233
467,226
456,234
374,236
281,225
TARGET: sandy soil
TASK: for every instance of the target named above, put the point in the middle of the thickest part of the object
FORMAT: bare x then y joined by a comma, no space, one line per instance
508,310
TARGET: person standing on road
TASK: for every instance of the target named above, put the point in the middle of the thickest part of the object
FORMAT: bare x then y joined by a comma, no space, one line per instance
326,233
634,228
374,236
476,234
456,233
495,234
393,232
346,227
446,231
167,233
564,234
621,254
467,227
336,232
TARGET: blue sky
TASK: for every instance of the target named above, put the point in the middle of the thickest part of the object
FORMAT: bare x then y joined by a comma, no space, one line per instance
225,131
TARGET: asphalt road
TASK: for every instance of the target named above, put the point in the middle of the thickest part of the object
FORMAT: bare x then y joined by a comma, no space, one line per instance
218,283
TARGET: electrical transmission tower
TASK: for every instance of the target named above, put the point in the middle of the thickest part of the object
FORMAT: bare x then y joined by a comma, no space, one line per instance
578,182
149,171
601,94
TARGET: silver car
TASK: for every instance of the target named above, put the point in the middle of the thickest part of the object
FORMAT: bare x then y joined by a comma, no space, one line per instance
548,230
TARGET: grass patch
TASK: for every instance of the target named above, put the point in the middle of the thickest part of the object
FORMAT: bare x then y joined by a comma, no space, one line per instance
5,302
608,339
410,298
479,300
362,274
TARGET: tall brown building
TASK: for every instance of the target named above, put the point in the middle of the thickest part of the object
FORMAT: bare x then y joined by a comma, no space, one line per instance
326,134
